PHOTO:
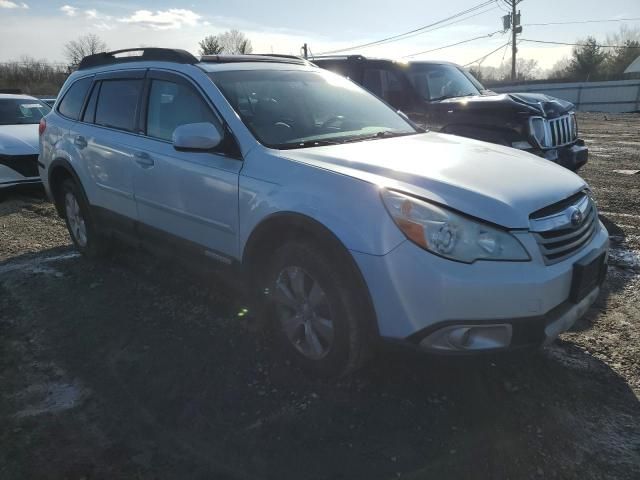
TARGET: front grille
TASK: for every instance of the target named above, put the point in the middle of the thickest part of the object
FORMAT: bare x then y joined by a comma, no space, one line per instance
25,165
562,130
558,238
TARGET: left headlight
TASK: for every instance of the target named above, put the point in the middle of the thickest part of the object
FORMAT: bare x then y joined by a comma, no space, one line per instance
538,130
449,234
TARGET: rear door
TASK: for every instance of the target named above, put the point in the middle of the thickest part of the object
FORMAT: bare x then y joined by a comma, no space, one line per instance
107,138
187,198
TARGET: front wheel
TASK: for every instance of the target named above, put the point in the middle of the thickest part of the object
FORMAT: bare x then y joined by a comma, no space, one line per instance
316,308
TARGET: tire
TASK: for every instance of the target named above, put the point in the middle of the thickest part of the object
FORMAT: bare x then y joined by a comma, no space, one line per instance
316,309
81,226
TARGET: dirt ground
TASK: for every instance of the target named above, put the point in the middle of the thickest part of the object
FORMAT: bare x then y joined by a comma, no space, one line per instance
127,369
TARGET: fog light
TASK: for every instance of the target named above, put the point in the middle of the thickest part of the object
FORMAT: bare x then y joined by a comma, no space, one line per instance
469,337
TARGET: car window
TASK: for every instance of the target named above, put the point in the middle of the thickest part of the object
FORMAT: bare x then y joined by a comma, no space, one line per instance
117,105
20,111
174,104
382,82
295,108
90,111
437,81
71,104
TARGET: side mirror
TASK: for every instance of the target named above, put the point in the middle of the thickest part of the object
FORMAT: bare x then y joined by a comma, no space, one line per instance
196,136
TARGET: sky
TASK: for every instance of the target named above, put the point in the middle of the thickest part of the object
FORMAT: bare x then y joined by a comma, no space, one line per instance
40,28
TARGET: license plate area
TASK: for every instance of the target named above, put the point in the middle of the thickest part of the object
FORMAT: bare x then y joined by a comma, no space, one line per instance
588,273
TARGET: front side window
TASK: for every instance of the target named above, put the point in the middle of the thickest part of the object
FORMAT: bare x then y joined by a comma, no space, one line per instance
21,111
440,81
301,108
117,105
174,104
71,104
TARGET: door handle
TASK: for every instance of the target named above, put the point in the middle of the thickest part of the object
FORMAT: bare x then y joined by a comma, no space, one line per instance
80,141
143,159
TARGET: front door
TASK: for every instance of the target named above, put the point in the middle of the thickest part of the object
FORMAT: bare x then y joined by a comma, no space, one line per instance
190,198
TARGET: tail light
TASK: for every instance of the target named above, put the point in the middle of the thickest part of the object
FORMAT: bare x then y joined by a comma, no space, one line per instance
42,127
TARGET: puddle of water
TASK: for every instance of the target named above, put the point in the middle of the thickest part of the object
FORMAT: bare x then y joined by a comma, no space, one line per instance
623,257
37,264
49,398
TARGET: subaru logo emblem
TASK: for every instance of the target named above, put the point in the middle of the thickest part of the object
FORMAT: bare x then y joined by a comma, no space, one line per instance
576,217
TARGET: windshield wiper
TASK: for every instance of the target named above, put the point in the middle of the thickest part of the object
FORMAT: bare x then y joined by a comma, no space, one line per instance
444,97
306,144
377,135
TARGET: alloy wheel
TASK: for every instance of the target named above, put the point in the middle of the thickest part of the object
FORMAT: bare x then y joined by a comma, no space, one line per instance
303,312
77,224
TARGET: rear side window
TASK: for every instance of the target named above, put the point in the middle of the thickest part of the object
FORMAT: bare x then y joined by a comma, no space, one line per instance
117,105
174,104
382,82
90,111
71,104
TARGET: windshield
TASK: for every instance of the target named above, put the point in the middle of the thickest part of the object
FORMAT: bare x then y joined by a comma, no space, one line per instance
21,111
440,81
297,108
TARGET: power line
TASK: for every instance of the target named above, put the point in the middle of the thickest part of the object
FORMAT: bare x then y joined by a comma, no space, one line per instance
483,58
452,44
449,23
576,44
581,22
402,35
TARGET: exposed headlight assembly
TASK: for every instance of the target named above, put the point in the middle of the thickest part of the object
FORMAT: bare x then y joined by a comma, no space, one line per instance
449,234
538,130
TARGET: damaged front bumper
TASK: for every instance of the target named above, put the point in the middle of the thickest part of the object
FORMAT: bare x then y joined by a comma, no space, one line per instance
572,156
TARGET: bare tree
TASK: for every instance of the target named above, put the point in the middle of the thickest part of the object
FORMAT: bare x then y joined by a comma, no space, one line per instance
77,49
560,69
32,76
210,45
235,42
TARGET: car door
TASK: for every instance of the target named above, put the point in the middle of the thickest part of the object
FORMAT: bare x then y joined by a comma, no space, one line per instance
106,138
189,198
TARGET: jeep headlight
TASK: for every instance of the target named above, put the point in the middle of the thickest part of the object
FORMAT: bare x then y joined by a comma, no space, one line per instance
538,130
449,234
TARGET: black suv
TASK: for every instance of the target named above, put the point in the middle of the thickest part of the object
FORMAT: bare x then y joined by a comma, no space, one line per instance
443,96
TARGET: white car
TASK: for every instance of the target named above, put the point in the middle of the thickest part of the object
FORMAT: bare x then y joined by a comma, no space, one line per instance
19,147
348,222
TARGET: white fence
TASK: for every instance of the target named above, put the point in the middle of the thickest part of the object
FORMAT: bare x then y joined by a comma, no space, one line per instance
615,97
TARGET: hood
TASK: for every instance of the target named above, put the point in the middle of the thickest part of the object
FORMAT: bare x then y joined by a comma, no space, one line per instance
19,139
531,103
498,184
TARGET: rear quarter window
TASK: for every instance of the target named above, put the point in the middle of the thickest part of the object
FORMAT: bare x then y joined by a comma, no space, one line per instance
72,102
118,102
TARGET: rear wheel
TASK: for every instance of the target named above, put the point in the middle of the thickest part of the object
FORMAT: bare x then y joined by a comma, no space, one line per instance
79,222
316,308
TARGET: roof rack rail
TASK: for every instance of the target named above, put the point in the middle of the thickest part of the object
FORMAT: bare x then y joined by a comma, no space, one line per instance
256,57
341,57
157,54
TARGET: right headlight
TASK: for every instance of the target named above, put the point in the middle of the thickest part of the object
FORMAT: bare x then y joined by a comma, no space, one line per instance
538,130
449,234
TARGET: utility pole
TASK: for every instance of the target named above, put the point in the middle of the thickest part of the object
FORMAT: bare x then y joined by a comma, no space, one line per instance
305,51
516,28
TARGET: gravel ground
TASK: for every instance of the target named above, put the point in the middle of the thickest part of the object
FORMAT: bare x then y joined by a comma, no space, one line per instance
128,368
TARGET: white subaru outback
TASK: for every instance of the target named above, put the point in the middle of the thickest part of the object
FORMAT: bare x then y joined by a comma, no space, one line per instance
353,224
